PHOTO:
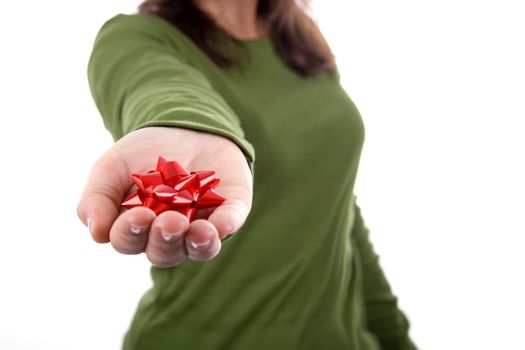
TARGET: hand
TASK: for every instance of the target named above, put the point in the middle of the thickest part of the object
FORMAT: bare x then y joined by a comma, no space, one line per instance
167,239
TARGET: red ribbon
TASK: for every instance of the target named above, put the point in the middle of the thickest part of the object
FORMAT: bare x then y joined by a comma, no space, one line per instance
171,187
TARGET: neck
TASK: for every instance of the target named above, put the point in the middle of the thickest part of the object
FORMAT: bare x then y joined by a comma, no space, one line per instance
236,17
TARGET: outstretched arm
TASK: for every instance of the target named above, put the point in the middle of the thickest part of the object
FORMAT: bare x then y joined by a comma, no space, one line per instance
156,104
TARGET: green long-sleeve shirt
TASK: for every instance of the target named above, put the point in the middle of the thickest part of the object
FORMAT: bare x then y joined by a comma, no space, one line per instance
300,273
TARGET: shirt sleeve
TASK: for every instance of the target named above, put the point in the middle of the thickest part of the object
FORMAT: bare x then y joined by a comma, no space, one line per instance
384,319
138,79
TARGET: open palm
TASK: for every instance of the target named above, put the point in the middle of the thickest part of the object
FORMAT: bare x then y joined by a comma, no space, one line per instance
167,238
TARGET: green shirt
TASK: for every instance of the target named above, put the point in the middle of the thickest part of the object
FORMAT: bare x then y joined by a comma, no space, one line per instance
301,272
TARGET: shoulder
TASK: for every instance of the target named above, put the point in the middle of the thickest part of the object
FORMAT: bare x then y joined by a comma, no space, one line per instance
139,20
145,25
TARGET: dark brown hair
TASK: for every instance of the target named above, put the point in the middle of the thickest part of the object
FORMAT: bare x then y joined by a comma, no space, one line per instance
295,34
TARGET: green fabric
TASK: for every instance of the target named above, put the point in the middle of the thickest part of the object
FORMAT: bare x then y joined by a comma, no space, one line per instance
301,273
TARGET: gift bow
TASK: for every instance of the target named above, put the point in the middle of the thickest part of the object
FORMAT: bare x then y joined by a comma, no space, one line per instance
171,187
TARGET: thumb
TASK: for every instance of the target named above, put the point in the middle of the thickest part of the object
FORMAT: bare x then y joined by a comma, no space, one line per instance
231,215
100,202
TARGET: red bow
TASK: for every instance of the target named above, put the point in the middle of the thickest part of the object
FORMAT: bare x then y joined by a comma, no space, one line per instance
171,187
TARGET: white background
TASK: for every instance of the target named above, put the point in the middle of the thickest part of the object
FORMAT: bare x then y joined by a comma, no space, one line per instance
441,88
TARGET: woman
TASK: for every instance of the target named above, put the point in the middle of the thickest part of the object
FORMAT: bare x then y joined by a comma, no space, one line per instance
212,84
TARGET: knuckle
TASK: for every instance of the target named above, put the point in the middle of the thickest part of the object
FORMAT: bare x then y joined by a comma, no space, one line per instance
205,255
124,243
105,190
162,260
126,248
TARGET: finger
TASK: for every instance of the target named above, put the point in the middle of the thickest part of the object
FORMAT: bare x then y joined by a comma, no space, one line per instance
166,247
99,204
232,213
129,233
202,241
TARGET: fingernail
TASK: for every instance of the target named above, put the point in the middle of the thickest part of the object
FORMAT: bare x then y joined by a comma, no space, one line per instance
168,237
201,245
136,229
89,224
